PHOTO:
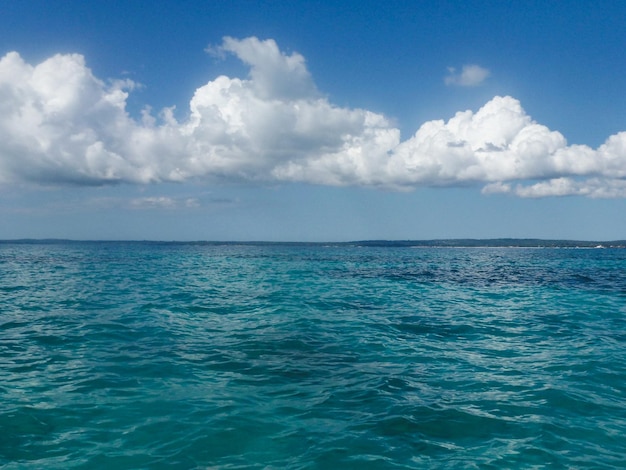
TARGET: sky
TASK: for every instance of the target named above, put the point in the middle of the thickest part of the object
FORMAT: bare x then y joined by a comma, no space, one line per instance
312,121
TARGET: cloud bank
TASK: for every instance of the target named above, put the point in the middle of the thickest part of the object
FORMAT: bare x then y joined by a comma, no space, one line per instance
61,125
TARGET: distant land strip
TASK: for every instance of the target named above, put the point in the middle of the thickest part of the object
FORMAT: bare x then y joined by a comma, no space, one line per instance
435,243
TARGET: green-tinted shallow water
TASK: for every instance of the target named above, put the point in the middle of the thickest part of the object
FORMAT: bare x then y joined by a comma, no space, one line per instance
118,355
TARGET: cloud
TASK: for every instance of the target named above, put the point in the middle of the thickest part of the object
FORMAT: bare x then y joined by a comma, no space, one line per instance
273,74
164,202
564,186
470,75
160,202
61,125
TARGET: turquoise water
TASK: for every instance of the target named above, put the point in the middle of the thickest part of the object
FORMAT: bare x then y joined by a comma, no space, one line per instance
131,355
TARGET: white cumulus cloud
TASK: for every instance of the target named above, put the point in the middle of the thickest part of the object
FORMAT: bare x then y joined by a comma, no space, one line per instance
470,75
61,125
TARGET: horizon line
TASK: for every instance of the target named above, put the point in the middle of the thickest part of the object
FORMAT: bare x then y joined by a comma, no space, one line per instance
435,242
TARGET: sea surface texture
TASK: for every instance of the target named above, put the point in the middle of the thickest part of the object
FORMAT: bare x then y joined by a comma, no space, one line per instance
146,355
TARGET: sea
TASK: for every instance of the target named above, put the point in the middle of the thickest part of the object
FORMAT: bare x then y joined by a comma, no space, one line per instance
142,355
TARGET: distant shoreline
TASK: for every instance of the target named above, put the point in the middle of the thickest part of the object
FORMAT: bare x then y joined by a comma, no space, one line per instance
434,243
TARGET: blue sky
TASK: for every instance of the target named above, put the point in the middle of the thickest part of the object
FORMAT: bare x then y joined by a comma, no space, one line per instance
312,121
